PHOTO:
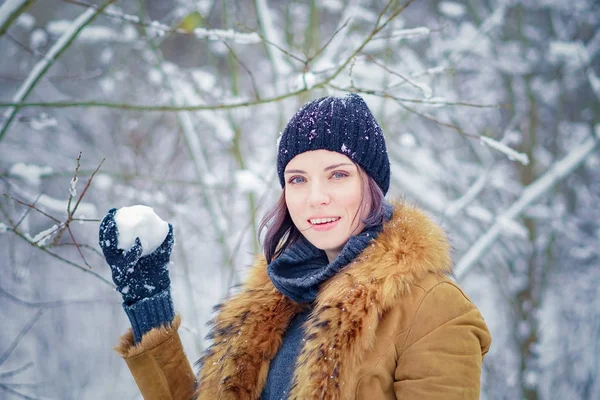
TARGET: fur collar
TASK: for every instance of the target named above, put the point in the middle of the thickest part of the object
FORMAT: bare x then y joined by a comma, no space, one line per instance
249,327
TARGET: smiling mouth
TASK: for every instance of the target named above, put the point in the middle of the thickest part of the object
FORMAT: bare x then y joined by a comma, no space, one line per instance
323,221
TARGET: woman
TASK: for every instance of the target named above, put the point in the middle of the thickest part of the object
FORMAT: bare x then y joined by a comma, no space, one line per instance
350,300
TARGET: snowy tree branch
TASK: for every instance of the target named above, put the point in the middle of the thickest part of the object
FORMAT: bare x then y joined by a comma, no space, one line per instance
200,33
202,107
57,230
10,10
530,194
40,69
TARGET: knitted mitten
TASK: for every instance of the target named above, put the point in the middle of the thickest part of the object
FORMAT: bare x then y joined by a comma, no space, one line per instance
143,282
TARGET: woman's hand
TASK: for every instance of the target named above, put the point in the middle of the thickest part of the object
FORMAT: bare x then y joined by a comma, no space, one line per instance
135,277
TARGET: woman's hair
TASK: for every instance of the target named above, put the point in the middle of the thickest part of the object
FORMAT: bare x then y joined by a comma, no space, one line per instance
282,233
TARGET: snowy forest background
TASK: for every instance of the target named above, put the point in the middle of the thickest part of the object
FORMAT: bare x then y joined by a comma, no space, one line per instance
491,109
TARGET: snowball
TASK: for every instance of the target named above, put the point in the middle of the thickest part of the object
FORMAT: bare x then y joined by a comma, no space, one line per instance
140,221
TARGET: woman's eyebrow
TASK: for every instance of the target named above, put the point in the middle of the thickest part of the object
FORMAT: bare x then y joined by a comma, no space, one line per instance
295,171
299,171
336,166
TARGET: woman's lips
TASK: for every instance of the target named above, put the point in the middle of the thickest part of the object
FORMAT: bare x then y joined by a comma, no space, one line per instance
325,227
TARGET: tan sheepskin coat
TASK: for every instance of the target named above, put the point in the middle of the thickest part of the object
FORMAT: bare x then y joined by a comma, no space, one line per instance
391,325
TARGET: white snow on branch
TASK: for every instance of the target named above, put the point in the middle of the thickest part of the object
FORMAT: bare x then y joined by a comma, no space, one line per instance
104,33
530,194
3,227
29,172
248,182
468,197
227,34
424,88
8,9
72,190
410,33
42,238
501,147
594,82
452,9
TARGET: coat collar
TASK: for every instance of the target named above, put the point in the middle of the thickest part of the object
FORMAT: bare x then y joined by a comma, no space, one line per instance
249,328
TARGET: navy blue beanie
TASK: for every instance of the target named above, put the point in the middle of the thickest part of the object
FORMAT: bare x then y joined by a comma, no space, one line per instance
344,125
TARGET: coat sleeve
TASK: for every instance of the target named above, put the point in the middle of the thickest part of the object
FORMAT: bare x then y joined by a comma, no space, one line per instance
158,363
440,356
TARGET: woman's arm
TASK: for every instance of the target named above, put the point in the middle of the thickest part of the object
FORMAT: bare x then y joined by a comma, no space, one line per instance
441,355
158,363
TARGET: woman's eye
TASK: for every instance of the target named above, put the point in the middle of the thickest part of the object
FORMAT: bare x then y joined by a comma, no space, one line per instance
339,175
296,179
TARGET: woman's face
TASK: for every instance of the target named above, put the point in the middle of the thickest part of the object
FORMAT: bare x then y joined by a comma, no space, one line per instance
323,193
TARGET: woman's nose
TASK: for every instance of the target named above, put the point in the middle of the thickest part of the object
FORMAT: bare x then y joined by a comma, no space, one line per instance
318,195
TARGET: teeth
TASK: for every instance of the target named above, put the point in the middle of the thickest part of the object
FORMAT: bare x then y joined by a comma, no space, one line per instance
316,221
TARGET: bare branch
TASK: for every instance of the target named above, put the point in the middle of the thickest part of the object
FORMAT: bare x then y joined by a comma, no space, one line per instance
74,180
338,30
405,79
200,33
45,250
51,304
433,102
437,121
20,335
16,371
85,246
27,211
19,394
31,206
78,248
87,185
10,11
248,71
24,47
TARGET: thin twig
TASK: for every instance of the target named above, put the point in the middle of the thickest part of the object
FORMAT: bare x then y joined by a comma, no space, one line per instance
16,371
374,32
45,250
26,385
85,246
20,335
51,304
19,394
310,59
248,71
75,180
382,13
87,185
437,121
78,248
32,206
281,49
385,68
28,210
25,47
387,95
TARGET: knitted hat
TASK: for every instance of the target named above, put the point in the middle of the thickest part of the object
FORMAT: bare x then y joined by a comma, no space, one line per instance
344,125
